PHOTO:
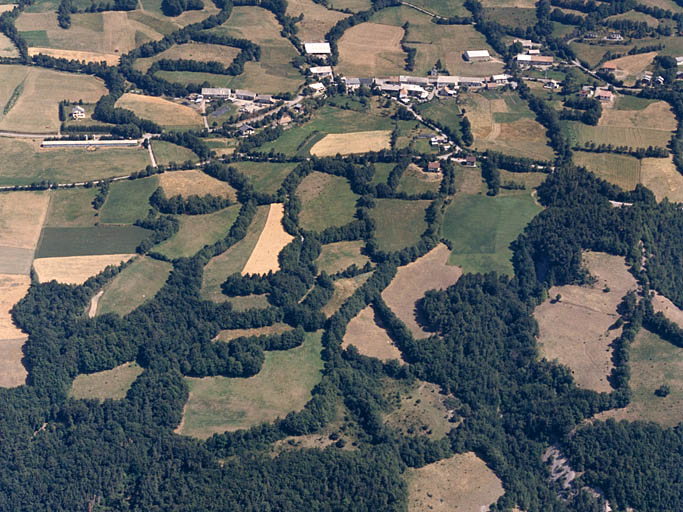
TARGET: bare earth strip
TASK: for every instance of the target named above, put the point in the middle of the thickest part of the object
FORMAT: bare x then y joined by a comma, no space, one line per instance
462,482
412,281
21,218
369,338
187,183
110,58
272,240
355,142
586,350
75,269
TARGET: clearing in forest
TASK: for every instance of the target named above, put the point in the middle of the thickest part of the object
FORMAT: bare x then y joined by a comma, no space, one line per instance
231,334
350,143
194,182
371,49
339,256
392,235
113,383
412,281
133,286
273,238
343,289
663,305
160,110
326,200
653,362
75,269
266,177
366,334
200,52
220,404
13,373
661,176
416,181
621,170
462,482
593,307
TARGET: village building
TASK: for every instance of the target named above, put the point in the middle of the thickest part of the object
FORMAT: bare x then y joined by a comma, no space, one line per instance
434,166
245,95
470,161
321,71
608,67
679,61
391,88
78,112
586,91
551,84
317,88
477,55
472,82
245,130
533,51
614,36
501,79
216,92
318,49
539,61
526,43
604,95
422,81
352,84
264,99
447,81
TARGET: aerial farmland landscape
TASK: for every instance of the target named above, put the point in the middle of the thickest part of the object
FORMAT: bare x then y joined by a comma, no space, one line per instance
341,255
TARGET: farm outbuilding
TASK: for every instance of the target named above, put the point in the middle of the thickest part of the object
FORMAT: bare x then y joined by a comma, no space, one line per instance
78,112
477,55
317,48
216,92
322,71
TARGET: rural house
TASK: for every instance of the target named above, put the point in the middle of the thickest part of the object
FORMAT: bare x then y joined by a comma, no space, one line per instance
608,67
245,130
679,61
470,161
78,112
604,95
539,61
352,84
264,99
526,43
434,166
245,95
322,71
477,55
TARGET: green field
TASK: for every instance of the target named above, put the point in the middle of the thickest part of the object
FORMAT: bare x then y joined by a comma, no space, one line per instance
445,8
85,241
621,170
637,137
511,16
196,231
442,110
113,383
415,181
128,200
219,404
24,163
339,256
399,223
628,102
482,227
71,208
382,172
352,5
326,200
267,177
166,152
136,284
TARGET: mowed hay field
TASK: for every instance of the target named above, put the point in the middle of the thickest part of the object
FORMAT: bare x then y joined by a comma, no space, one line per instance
161,111
220,404
413,280
233,260
266,177
200,52
392,235
194,182
166,152
318,19
343,289
113,383
12,289
32,95
338,256
273,238
128,200
112,59
354,142
419,410
13,373
371,49
75,269
585,351
364,333
462,482
621,170
25,162
504,122
629,67
439,42
22,215
663,305
231,334
653,363
661,176
326,200
133,286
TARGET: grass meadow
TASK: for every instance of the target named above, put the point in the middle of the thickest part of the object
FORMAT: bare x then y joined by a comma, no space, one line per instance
266,177
167,152
339,256
326,201
399,223
113,383
128,200
71,208
620,170
85,241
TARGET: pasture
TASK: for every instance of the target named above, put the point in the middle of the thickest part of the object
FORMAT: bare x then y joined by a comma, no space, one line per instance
366,334
481,229
523,4
338,256
343,289
89,241
585,351
419,410
194,182
13,372
445,8
71,208
392,235
371,49
661,304
22,215
654,362
196,231
200,52
128,200
412,281
266,177
166,152
113,383
220,404
417,181
233,260
462,482
133,286
25,162
629,67
273,238
12,290
621,170
326,201
153,8
353,142
75,269
231,334
352,5
442,110
29,97
163,112
513,17
318,19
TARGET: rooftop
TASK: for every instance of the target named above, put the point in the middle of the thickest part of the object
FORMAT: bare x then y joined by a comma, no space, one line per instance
317,48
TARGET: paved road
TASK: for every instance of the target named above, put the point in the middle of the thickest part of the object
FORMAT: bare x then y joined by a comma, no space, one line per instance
457,149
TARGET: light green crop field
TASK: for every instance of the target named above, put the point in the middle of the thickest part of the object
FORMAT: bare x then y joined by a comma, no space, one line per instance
399,223
442,110
621,170
135,285
445,8
219,404
113,383
128,200
196,231
326,200
267,177
339,256
511,16
382,172
24,162
632,103
71,208
482,227
166,152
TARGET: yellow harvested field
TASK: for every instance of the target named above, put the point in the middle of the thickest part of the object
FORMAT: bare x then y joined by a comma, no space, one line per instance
630,66
369,338
462,482
371,49
656,116
12,372
585,351
412,281
12,290
318,19
7,48
160,110
663,305
661,176
231,334
21,218
194,182
200,52
111,59
7,7
272,240
75,269
354,142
